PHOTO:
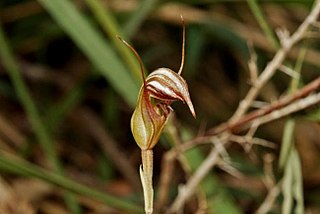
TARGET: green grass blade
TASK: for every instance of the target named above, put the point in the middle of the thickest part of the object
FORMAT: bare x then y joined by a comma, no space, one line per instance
112,29
263,23
287,188
298,183
93,46
32,113
20,167
289,160
292,185
133,23
286,143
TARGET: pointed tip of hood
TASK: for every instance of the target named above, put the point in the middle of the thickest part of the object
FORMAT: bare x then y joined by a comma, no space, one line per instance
190,105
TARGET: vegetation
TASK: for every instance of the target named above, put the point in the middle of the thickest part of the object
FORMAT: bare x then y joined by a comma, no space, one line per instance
68,88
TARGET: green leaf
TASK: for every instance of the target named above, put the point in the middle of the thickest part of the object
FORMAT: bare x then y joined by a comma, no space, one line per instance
12,164
93,46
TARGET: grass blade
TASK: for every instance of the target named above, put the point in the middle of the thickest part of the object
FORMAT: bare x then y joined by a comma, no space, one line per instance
263,23
33,115
112,29
20,167
93,46
146,6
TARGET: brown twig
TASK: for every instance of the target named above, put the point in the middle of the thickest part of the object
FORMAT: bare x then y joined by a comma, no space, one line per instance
167,169
248,139
298,105
167,12
259,120
176,153
188,190
213,157
239,124
272,112
287,43
269,200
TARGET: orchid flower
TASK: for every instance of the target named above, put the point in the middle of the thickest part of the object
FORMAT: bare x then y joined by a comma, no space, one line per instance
159,90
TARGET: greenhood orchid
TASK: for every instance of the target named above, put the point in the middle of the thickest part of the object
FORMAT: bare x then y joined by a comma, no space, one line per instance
159,90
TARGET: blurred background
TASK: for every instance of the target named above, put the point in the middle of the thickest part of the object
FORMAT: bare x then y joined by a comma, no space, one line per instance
68,88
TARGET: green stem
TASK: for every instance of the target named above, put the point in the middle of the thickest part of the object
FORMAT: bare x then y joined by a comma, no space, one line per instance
20,167
32,113
263,23
146,179
289,160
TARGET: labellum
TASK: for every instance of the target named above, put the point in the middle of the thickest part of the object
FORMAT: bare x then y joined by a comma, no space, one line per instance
159,90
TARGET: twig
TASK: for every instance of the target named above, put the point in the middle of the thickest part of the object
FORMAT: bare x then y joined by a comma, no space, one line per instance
187,191
177,152
287,43
269,179
256,120
252,63
290,72
167,169
252,140
269,200
234,127
294,107
213,157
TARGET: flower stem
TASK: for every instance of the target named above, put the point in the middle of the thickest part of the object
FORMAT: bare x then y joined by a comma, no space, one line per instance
146,171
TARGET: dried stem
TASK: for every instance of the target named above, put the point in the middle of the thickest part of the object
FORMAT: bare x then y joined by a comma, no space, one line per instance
167,171
234,127
294,107
188,190
269,200
298,105
287,43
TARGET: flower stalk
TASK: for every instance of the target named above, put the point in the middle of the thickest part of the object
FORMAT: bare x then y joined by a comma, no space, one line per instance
146,172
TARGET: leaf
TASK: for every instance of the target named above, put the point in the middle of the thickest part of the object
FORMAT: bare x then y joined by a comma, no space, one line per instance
93,46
